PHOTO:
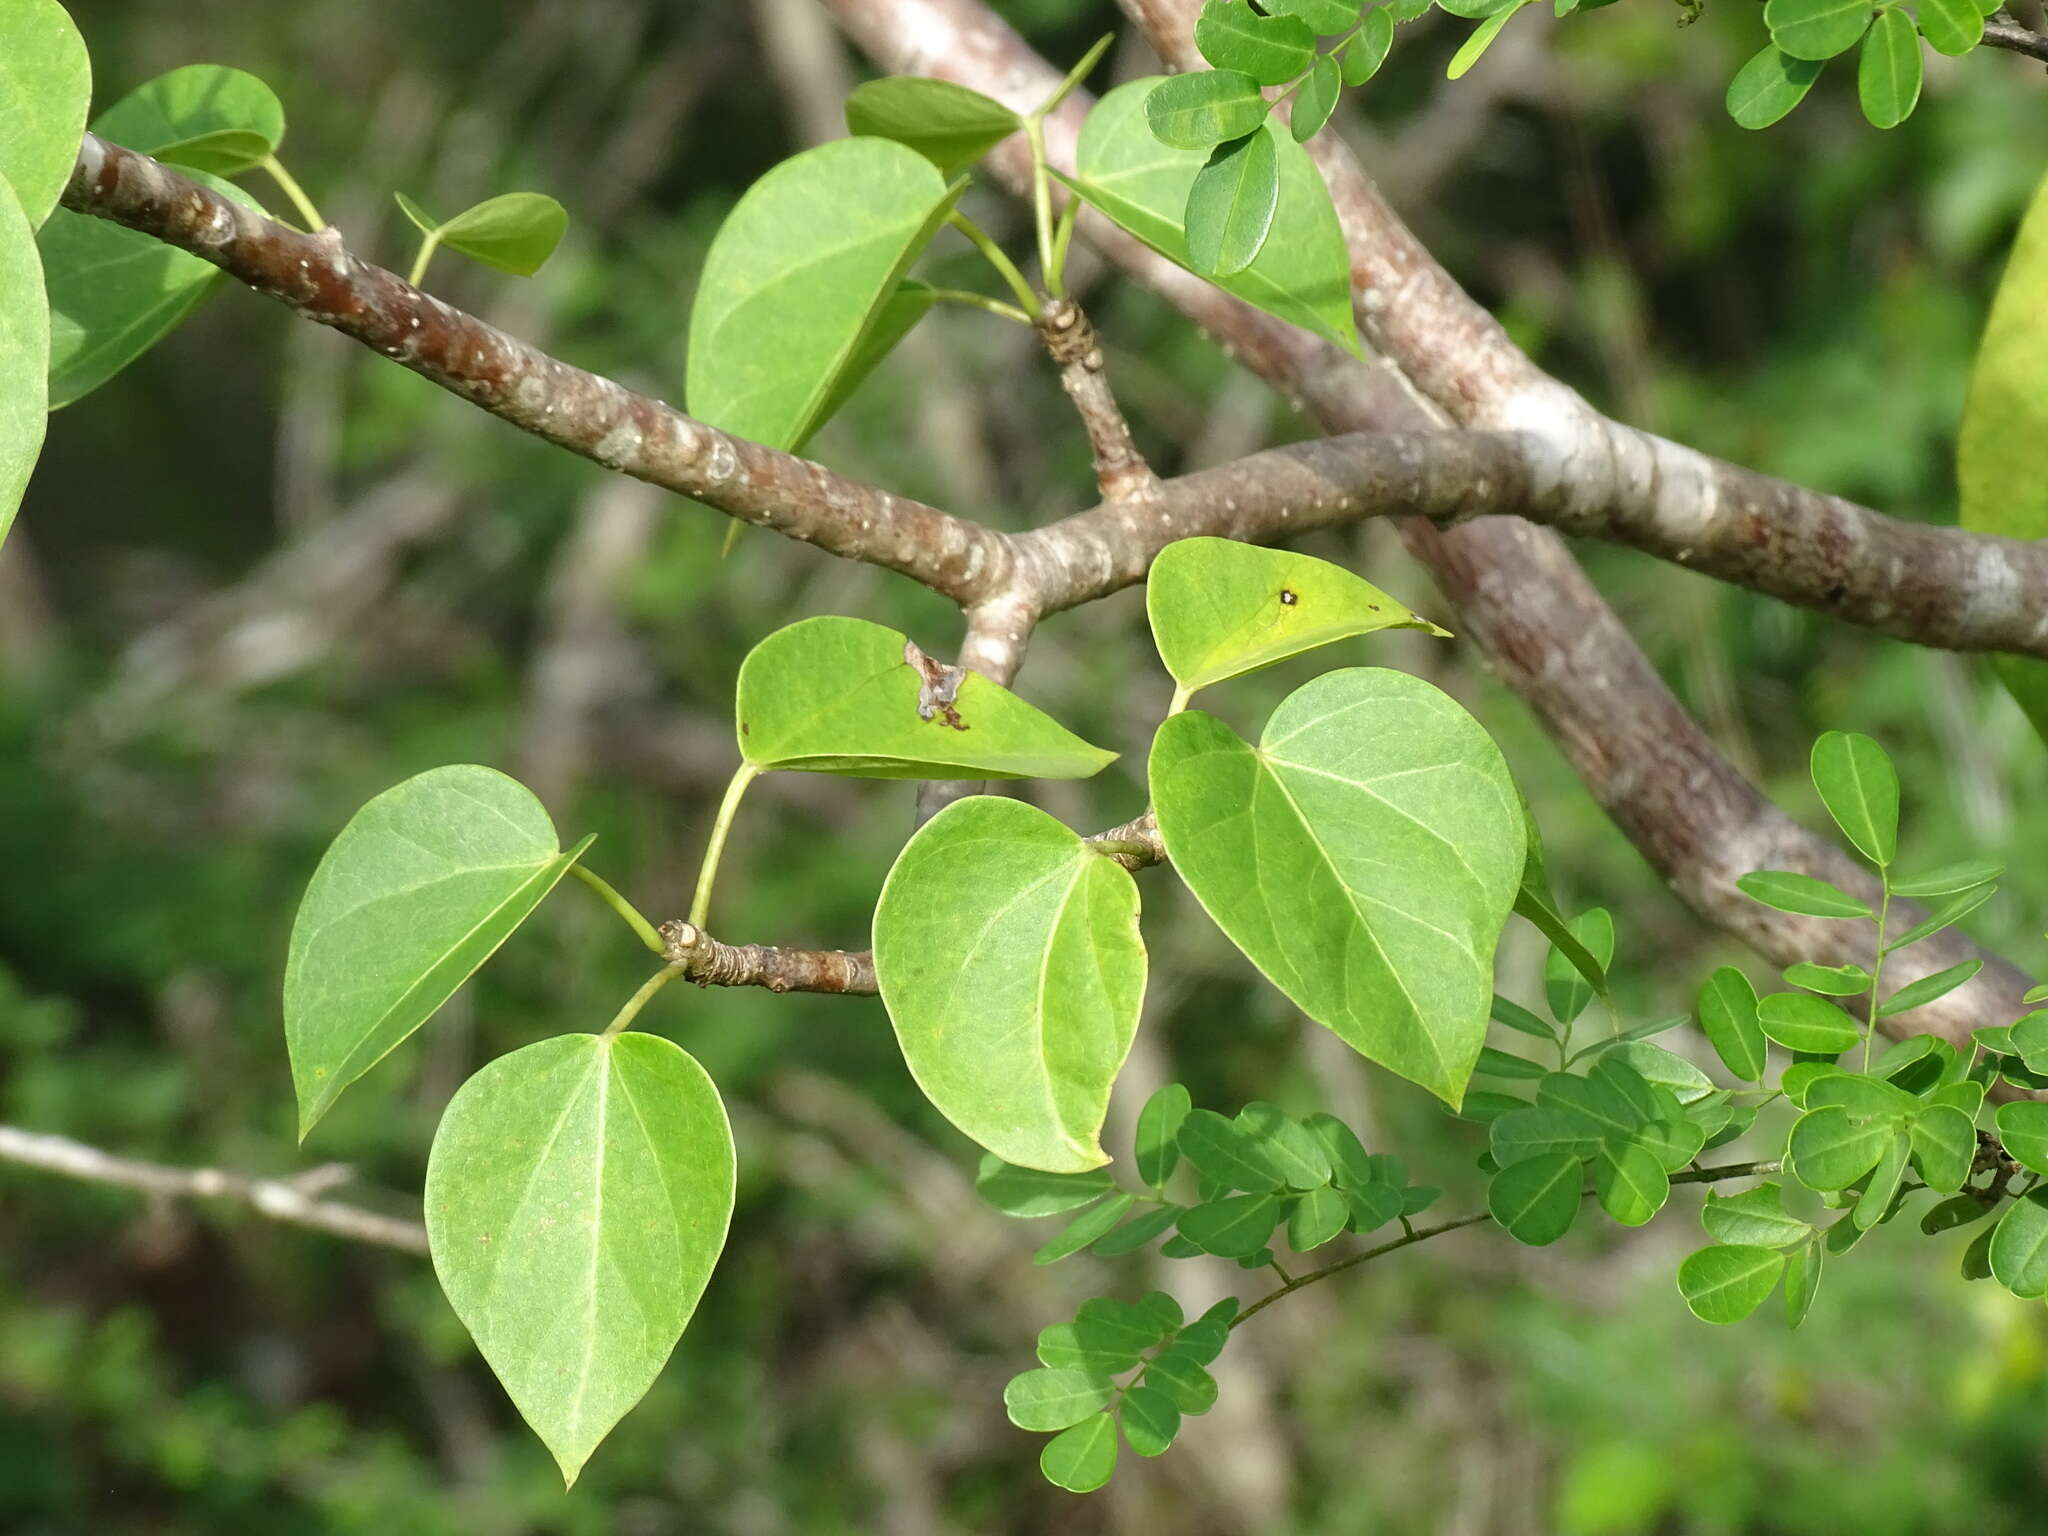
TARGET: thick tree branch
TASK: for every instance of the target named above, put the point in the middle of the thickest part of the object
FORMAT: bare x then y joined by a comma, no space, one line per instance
587,414
293,1200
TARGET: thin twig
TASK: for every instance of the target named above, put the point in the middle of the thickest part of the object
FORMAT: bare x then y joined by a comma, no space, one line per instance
1071,342
2003,32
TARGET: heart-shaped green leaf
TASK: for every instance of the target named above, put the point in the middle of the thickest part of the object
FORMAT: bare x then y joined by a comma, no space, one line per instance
798,275
1220,608
1727,1282
1999,484
837,695
422,885
577,1199
1303,271
948,124
45,87
24,354
1009,958
1364,855
514,233
205,116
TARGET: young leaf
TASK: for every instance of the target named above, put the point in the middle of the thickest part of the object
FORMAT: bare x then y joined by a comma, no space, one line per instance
46,82
1565,988
1630,1181
1220,608
1919,993
1271,49
1494,1063
2023,1130
2019,1246
1725,1283
1049,1399
1159,1122
1231,205
1769,86
205,116
1149,1420
838,695
1889,69
24,350
1364,856
577,1198
514,233
420,888
1944,1146
1829,980
1009,959
1093,1223
798,275
1816,29
1802,1280
1788,891
1317,1217
1033,1192
948,124
1361,58
1831,1150
1482,38
1800,1022
1303,272
1954,910
1536,1199
1662,1069
1755,1218
1083,1458
1952,27
1950,878
1204,109
1317,98
1519,1019
1859,786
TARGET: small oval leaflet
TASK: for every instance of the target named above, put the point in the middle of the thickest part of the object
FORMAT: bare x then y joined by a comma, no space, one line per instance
844,696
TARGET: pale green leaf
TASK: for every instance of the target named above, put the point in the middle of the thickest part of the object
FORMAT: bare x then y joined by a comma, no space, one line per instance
1157,1151
1802,1280
1950,878
577,1199
1630,1181
1364,856
514,233
1952,27
1482,38
24,351
1919,993
1361,58
1150,1420
1048,1399
1770,85
422,885
1816,29
2023,1129
1317,1217
45,87
948,124
1083,1458
1725,1283
204,116
1565,986
1859,786
1829,980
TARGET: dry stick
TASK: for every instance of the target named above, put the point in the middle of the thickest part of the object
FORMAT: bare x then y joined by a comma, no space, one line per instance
288,1200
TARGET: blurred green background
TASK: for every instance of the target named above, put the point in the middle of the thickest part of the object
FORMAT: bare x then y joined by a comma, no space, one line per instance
262,576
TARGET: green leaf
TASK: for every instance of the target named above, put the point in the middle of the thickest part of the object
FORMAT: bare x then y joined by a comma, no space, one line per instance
1830,1149
1351,1166
948,124
797,277
205,116
1133,1235
1009,959
1520,1019
1944,1146
1954,910
1725,1283
1325,18
1361,58
1952,27
1788,891
1286,1145
1051,1399
1204,109
1536,1199
1417,1198
1769,86
1083,1458
577,1198
1564,987
838,695
1107,1336
1494,1063
1233,1227
1364,856
1317,98
1182,1375
1966,1096
46,83
1271,49
2023,1129
1220,609
1597,1103
1800,1022
1535,903
1095,1222
1816,29
1373,1206
1149,1419
1755,1218
1674,1143
1481,39
1833,980
1876,1200
514,233
1924,991
114,294
1224,1151
1888,71
1863,1097
1159,1122
1663,1069
1630,1181
1857,782
24,348
2019,1246
1231,205
1316,1218
1302,274
1802,1280
1032,1192
1956,1211
1541,1132
1950,878
1802,1075
420,888
1976,1263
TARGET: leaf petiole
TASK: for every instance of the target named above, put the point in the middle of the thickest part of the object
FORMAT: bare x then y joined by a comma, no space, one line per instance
700,904
625,1016
611,898
429,243
308,214
1005,268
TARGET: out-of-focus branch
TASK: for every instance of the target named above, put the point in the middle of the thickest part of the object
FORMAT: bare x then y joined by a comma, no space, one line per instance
293,1200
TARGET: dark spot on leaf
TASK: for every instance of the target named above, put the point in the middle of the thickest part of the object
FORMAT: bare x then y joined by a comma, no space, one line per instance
1287,598
745,729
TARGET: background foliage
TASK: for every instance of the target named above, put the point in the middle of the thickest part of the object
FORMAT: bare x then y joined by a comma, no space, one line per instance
262,578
